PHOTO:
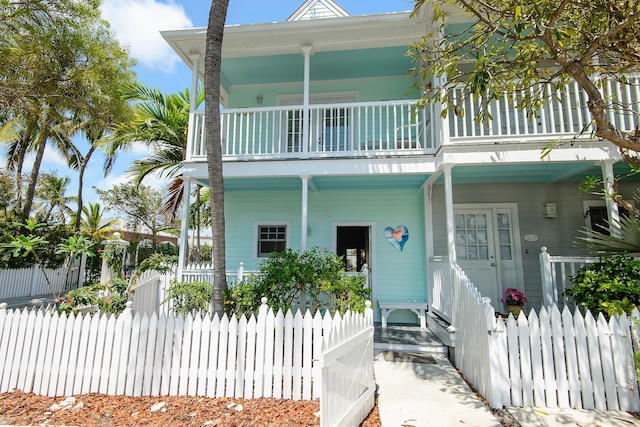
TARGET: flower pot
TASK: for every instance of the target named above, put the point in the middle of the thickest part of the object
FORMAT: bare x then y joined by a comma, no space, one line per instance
515,310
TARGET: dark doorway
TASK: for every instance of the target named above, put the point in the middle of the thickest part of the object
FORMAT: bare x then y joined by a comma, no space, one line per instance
353,247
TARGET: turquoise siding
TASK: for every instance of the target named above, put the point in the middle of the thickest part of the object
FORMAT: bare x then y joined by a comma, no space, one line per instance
397,274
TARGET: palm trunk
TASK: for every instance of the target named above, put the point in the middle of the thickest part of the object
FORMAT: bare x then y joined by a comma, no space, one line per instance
31,190
83,167
22,151
212,63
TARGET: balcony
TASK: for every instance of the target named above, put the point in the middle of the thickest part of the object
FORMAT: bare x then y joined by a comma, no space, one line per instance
398,128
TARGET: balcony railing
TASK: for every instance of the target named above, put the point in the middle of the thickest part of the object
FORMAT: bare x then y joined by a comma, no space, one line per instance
563,115
397,128
330,130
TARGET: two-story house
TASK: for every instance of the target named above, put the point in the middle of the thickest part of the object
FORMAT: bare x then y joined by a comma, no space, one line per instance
322,147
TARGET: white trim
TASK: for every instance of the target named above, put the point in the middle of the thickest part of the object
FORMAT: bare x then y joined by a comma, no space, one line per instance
269,223
338,97
515,224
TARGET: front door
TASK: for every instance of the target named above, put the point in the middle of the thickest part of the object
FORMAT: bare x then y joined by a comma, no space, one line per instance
353,246
487,250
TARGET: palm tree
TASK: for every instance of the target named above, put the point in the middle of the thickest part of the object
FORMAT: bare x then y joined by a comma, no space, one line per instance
51,193
161,122
92,225
212,62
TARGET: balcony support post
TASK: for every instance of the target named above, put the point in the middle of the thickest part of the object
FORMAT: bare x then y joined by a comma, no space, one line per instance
183,250
195,60
304,223
612,208
451,229
306,50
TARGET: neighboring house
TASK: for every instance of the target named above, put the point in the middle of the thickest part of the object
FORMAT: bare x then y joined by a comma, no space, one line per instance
322,148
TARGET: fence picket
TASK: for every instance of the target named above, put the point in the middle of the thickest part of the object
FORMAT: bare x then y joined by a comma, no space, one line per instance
56,355
298,324
15,350
232,344
241,367
106,378
514,366
595,363
287,370
194,355
158,344
559,358
71,361
204,359
607,363
174,353
251,364
212,371
307,356
167,360
144,357
536,360
131,363
261,361
269,360
33,338
525,360
222,357
582,353
631,374
620,366
572,358
184,356
101,336
278,355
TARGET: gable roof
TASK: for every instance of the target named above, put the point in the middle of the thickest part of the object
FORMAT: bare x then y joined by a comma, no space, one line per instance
316,9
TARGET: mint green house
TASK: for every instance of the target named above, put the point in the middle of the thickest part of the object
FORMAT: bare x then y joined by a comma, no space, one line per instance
323,147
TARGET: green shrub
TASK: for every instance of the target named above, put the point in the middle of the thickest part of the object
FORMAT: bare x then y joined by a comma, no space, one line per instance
109,297
611,285
288,276
189,297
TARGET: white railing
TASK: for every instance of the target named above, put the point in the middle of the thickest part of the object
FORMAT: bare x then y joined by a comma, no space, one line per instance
565,113
333,130
471,316
555,272
274,355
440,300
149,292
28,282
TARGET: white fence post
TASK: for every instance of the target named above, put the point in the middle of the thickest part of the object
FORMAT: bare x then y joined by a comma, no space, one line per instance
549,291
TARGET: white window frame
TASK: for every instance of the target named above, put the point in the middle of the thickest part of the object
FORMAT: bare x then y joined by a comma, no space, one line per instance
256,234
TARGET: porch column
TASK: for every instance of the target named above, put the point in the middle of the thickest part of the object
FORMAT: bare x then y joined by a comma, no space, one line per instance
304,223
195,58
306,50
451,226
612,207
183,251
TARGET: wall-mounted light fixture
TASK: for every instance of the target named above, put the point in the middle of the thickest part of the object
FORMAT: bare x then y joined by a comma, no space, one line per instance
259,99
587,213
550,210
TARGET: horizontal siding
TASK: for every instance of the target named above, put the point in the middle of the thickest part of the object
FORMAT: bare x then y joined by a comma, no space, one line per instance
398,274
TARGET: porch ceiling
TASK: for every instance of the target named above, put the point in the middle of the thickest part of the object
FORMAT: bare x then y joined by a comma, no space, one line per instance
325,66
530,172
326,183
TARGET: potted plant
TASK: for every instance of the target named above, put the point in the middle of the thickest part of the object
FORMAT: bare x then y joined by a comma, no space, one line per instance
514,299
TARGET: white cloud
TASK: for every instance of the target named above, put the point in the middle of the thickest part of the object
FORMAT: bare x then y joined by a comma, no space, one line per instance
137,24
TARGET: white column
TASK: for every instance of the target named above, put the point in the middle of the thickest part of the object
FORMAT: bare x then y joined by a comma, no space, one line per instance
195,58
306,50
428,236
612,207
184,229
451,226
305,219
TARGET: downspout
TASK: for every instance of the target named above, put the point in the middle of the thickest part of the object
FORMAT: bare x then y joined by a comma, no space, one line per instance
612,207
306,50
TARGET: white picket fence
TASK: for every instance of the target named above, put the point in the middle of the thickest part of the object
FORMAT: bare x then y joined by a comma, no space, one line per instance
550,359
274,355
27,282
555,272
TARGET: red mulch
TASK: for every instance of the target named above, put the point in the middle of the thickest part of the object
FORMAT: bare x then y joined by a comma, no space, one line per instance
89,410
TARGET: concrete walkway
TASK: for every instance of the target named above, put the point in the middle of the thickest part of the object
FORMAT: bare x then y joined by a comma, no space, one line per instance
424,394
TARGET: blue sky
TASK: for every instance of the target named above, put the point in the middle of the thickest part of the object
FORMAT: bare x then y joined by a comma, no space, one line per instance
137,23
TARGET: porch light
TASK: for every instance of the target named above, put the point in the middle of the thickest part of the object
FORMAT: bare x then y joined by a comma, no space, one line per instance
259,99
549,210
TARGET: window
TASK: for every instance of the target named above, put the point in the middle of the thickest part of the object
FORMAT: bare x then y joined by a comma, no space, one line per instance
271,238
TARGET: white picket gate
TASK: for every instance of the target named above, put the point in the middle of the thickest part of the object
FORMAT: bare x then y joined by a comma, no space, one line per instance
273,355
348,391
